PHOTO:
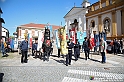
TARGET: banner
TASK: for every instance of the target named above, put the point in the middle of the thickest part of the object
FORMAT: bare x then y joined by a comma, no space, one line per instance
12,44
63,42
51,34
96,39
80,37
40,40
73,35
57,39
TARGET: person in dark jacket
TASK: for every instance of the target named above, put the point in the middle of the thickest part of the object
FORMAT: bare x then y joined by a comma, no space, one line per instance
115,46
35,48
86,48
77,50
24,50
121,45
70,45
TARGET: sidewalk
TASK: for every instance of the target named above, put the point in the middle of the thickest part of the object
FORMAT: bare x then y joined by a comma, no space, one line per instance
95,60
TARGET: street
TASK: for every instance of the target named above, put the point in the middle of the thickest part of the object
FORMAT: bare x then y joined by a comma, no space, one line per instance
54,70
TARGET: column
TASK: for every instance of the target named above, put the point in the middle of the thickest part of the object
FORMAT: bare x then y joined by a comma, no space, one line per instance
100,23
86,24
84,29
69,26
122,18
66,25
114,25
92,8
107,2
118,17
79,24
100,5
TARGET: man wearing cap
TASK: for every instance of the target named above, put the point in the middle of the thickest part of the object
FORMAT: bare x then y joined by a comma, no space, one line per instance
24,50
70,45
86,48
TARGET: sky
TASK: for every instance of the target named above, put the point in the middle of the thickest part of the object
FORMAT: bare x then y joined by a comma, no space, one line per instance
20,12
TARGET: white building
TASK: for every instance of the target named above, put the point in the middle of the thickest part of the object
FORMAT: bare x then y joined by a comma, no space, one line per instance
5,34
32,29
77,14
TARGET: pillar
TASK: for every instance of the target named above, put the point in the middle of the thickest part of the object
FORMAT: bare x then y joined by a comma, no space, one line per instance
100,5
107,2
114,25
84,29
92,8
122,18
100,23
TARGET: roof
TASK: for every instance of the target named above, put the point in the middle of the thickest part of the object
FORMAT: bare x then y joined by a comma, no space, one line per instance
38,26
1,11
73,9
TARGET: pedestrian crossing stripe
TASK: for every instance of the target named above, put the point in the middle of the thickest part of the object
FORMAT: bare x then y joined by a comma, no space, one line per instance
99,74
69,79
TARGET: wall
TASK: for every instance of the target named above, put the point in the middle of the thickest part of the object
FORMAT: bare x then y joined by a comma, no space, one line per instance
118,17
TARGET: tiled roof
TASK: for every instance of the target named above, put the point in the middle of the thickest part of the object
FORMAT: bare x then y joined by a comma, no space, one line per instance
38,25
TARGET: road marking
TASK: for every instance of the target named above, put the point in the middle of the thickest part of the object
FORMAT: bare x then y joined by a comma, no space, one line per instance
101,74
69,79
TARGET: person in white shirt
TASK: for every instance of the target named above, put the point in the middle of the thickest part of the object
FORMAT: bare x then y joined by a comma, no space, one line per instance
103,46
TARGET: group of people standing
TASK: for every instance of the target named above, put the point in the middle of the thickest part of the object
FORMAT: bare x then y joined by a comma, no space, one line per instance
118,46
47,50
86,47
70,45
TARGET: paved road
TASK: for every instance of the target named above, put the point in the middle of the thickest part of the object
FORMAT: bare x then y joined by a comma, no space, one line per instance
36,70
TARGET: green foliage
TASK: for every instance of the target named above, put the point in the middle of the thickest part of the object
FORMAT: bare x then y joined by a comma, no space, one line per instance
12,37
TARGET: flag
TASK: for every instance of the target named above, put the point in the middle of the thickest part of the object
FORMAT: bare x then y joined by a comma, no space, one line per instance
40,40
63,42
73,35
57,39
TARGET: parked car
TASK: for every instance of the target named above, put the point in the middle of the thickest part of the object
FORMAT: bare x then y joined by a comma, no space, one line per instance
109,47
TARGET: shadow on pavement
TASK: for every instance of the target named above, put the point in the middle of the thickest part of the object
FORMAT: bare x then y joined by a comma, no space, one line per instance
60,61
95,60
53,55
122,55
81,58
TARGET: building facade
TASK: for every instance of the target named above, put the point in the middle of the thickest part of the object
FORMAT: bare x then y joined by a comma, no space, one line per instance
5,34
1,21
76,17
31,29
106,16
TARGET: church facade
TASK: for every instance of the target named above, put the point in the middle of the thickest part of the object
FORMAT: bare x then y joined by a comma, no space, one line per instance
106,16
76,17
